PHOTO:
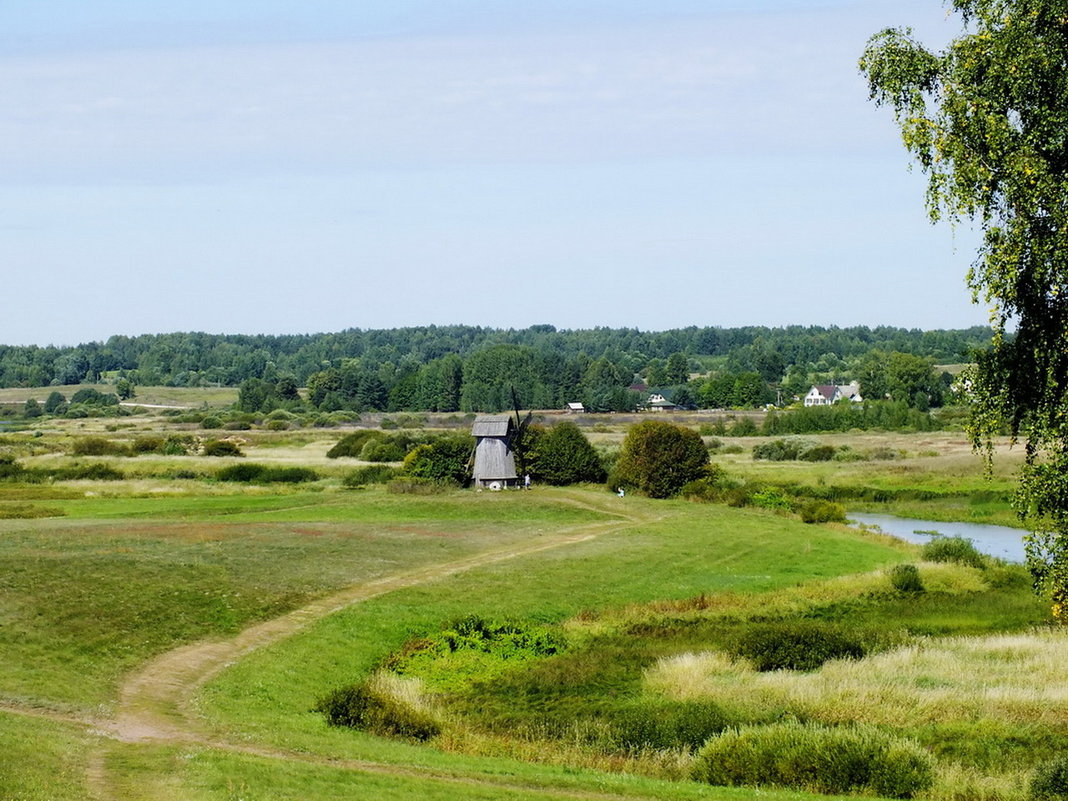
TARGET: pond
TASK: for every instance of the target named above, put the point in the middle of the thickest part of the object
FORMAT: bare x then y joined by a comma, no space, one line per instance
1000,541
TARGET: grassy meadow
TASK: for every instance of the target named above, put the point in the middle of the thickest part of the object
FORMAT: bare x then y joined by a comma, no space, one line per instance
165,634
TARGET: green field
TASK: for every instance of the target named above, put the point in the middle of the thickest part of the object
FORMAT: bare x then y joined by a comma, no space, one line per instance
170,637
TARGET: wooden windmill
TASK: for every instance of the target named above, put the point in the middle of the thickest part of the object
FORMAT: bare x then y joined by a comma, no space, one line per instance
496,454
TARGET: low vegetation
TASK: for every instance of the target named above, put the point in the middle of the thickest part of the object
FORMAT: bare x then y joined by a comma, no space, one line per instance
661,628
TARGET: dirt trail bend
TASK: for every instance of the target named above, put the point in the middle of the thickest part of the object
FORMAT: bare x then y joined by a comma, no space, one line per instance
154,701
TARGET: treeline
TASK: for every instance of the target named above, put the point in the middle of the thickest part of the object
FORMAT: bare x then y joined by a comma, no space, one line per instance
790,354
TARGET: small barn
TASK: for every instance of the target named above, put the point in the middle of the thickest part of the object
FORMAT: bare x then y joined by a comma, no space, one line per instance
494,456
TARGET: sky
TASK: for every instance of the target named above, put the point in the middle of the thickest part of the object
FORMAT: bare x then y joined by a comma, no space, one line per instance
286,166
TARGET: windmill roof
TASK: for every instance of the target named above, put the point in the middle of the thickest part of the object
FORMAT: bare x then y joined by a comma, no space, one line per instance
491,425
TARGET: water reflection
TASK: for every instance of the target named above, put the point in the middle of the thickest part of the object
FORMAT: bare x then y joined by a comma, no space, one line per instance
1000,541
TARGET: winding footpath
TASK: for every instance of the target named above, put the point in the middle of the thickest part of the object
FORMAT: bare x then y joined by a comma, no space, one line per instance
155,703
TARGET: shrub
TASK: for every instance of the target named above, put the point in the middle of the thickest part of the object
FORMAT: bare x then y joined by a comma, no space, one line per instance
1049,782
953,549
370,474
906,578
291,475
562,455
55,403
706,490
211,422
818,759
820,453
98,446
87,472
221,447
666,724
381,450
796,645
744,428
264,474
793,449
176,446
148,445
445,459
352,444
237,425
277,425
770,498
660,458
10,470
249,472
361,706
87,396
823,512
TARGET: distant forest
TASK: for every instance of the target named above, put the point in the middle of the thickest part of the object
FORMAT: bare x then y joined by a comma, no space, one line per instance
469,368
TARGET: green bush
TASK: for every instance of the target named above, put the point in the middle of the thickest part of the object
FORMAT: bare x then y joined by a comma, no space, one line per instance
817,759
10,470
176,446
370,474
820,453
953,549
770,498
659,458
382,450
211,422
221,447
562,455
85,472
446,459
794,449
706,490
98,446
1049,782
147,445
237,425
823,512
251,472
352,444
906,578
744,428
666,724
796,645
359,706
277,425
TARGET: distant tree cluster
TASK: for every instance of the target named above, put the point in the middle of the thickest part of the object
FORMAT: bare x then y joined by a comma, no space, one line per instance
664,357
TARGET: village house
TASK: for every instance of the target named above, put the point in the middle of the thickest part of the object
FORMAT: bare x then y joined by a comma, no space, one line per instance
826,394
658,403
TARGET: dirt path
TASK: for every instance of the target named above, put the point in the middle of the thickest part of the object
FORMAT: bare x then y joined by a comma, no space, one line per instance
155,702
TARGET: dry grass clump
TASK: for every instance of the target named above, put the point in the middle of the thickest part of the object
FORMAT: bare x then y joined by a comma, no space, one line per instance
1016,678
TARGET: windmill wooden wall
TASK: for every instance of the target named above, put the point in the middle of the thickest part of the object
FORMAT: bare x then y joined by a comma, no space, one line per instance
494,457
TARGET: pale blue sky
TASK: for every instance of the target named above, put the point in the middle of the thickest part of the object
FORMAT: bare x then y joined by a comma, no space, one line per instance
283,166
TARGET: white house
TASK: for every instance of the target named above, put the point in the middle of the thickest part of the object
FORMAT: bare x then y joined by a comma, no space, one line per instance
658,403
826,394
